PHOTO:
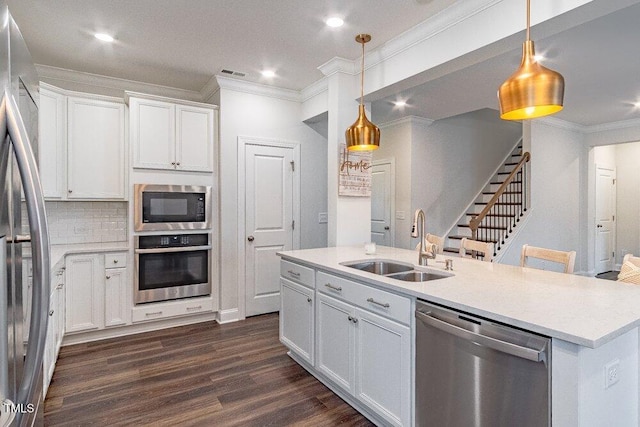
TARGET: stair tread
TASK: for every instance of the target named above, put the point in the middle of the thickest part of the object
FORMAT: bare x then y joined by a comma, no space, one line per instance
500,203
499,183
506,192
456,237
490,214
487,227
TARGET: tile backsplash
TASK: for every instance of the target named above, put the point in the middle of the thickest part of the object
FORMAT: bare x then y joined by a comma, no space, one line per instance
85,222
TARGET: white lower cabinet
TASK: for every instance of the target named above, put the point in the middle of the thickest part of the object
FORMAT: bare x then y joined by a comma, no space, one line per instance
297,319
55,327
362,339
97,297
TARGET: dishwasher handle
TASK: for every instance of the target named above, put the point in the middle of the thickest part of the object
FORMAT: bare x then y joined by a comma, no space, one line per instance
496,344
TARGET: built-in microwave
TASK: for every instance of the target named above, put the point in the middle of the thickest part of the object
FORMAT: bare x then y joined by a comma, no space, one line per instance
171,207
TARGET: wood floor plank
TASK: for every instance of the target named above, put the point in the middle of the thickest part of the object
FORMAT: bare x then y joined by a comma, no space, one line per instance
236,374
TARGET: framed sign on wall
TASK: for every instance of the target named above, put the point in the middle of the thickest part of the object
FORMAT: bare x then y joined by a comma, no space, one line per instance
354,173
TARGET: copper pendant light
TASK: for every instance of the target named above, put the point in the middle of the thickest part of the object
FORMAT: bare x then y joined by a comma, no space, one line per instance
362,135
533,90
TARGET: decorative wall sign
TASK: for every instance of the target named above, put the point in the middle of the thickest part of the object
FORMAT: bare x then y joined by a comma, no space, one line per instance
354,173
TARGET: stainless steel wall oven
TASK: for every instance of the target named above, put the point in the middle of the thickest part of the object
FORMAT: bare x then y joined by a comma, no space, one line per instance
172,266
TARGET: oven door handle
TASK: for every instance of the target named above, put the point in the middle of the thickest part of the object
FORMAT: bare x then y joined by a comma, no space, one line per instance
169,250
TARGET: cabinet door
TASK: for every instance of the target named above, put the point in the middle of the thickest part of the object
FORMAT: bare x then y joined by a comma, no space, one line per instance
116,310
194,138
49,357
152,133
336,339
297,319
383,360
52,122
96,149
60,312
84,293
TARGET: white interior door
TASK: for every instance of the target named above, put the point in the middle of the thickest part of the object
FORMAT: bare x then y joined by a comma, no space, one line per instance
605,218
381,204
269,216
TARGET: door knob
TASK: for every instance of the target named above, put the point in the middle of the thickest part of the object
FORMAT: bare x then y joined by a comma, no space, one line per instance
386,227
599,225
250,238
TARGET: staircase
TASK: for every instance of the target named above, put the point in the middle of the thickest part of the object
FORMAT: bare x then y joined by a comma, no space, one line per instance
498,208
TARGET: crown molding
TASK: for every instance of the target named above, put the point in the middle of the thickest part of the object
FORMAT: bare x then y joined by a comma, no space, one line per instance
314,89
338,65
112,83
445,19
257,89
210,89
623,124
407,119
562,124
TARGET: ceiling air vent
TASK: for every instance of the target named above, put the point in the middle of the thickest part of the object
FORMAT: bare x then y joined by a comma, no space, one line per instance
233,73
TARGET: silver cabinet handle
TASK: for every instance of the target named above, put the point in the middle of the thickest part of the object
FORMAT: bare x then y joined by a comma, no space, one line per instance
335,288
70,191
386,227
155,313
115,261
496,344
11,123
381,304
293,273
308,299
173,163
167,250
177,163
197,307
352,319
51,313
108,277
251,238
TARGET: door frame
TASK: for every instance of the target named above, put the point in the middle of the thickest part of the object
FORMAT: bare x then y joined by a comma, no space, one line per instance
614,223
392,162
243,142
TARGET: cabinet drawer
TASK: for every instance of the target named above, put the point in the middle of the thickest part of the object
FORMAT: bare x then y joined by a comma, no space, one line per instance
150,312
118,260
373,299
297,273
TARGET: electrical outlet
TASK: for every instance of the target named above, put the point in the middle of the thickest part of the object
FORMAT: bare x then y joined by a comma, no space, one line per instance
322,218
611,373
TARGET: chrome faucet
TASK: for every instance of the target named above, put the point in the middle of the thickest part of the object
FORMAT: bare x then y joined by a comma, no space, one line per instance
426,250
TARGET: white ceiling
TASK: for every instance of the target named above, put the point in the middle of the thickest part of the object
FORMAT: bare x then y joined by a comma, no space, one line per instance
183,43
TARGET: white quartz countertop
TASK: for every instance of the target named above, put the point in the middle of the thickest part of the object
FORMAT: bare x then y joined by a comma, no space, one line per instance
577,309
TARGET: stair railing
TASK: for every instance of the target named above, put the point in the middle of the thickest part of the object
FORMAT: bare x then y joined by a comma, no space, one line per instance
496,221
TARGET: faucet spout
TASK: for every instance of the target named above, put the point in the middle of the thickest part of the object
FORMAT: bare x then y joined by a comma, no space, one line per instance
425,250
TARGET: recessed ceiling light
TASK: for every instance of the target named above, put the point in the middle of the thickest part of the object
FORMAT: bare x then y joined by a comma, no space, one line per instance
104,37
334,22
268,73
636,104
538,58
400,103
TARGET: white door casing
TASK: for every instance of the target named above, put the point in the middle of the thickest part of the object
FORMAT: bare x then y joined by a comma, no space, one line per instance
269,219
605,218
382,203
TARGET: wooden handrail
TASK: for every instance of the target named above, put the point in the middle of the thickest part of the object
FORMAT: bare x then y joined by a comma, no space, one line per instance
475,222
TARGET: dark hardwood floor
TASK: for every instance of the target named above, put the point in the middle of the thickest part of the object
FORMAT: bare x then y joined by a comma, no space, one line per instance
206,374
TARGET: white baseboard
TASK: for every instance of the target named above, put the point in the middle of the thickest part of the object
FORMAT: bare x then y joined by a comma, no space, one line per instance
228,315
82,337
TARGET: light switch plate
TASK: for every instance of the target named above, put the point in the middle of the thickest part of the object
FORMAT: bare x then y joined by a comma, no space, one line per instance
323,217
400,215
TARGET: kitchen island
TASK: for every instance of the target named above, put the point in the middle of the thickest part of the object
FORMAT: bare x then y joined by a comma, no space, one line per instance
591,322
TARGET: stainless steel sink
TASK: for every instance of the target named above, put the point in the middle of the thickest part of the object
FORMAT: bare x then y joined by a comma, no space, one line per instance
396,270
418,276
382,267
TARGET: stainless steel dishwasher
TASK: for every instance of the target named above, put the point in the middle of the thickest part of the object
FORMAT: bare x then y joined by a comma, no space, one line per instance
473,372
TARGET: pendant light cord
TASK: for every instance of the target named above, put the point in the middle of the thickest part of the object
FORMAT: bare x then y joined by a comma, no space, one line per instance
528,19
362,76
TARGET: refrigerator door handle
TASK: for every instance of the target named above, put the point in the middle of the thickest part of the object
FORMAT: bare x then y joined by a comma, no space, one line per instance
11,122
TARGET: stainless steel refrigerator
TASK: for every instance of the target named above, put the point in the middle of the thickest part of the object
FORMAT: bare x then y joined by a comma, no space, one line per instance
20,357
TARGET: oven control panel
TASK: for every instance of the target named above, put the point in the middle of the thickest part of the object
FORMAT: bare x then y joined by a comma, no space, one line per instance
172,240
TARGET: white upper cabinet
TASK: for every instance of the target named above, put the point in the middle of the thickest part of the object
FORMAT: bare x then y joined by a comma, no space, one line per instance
82,146
52,142
95,149
171,135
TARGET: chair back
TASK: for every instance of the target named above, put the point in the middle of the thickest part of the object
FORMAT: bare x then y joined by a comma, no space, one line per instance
630,270
476,249
568,259
436,240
